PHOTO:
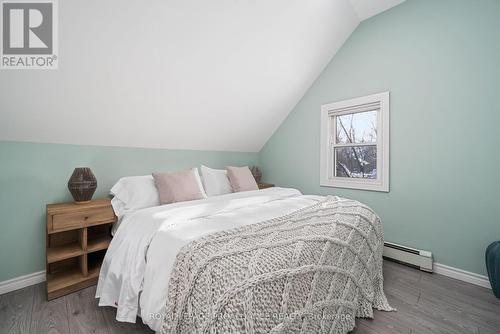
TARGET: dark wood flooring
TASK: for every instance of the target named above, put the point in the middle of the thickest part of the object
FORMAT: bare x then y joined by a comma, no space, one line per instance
426,303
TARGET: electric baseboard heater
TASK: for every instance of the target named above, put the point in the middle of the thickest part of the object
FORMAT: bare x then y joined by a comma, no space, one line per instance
409,256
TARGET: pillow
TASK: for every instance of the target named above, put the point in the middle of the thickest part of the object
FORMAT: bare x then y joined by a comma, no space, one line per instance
241,179
215,181
133,193
179,186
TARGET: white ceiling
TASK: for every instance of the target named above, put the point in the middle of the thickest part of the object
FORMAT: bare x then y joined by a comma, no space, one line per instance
182,74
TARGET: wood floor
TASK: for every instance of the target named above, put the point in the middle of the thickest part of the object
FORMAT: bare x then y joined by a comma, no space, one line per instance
426,303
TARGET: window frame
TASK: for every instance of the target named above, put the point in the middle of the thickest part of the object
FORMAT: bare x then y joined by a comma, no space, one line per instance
328,144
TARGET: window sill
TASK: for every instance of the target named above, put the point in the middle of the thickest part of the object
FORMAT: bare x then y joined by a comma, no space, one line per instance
353,184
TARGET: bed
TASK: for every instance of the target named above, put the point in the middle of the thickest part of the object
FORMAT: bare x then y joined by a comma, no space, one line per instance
156,251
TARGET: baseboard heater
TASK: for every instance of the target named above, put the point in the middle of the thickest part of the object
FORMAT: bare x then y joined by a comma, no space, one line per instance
409,256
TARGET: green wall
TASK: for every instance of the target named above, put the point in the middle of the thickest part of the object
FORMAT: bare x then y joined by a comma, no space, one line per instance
33,175
441,62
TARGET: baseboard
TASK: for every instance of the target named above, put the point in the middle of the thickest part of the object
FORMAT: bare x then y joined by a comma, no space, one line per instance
22,282
462,275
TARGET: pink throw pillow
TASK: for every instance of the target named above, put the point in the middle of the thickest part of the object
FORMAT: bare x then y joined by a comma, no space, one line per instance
241,179
177,186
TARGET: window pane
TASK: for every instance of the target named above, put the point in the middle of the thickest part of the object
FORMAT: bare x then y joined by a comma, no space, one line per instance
356,162
357,128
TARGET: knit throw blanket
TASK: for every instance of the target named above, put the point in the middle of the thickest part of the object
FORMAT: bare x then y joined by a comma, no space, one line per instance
312,271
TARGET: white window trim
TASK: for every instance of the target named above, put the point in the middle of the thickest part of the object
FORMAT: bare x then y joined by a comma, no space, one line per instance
342,107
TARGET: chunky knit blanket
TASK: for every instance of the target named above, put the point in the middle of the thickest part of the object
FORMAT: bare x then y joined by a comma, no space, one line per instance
312,271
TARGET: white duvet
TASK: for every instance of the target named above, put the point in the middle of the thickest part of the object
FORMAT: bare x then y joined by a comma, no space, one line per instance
136,269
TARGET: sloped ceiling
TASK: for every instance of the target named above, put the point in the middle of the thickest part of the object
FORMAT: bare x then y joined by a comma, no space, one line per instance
368,8
180,74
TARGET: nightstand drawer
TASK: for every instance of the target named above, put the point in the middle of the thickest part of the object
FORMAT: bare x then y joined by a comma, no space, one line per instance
65,221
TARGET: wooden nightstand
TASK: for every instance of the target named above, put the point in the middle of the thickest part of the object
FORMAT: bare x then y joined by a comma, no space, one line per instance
263,185
77,238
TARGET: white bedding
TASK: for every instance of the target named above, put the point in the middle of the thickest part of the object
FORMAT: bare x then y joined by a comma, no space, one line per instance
136,269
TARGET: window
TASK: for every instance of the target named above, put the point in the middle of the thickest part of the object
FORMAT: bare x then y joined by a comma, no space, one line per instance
355,143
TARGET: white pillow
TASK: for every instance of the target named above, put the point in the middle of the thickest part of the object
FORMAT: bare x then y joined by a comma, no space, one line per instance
198,180
133,193
215,181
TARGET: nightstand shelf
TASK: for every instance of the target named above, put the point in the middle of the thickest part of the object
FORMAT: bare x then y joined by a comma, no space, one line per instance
77,238
59,253
62,283
98,243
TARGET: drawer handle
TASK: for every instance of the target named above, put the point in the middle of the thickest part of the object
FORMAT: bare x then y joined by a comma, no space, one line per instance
85,218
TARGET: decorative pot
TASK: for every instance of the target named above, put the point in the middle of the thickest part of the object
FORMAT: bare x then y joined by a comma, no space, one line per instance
493,266
257,173
82,184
